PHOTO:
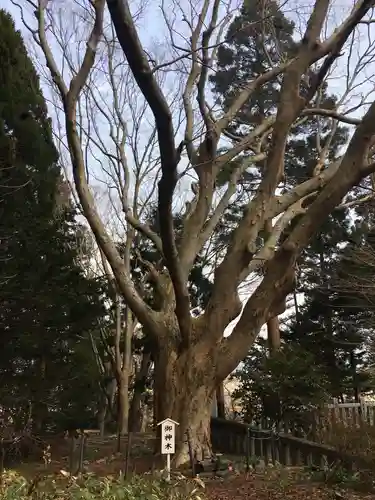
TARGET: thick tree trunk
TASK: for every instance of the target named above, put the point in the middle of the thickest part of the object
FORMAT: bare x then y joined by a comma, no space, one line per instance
185,394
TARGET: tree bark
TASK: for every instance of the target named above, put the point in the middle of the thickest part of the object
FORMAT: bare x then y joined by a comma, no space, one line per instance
122,406
122,365
187,392
273,331
135,411
220,400
102,413
106,410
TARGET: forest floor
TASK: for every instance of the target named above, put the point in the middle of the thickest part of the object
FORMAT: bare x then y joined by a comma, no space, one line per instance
279,483
262,487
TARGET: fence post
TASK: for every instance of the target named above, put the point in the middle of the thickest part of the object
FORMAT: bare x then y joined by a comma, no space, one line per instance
261,447
81,452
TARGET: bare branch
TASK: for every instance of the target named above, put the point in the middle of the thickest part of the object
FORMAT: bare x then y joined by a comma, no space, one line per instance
169,156
70,98
206,36
331,114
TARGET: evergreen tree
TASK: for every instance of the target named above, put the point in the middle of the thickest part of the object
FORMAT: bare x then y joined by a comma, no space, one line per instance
257,39
47,305
285,388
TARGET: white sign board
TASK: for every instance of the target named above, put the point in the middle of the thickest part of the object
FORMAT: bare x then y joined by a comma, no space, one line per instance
168,441
168,436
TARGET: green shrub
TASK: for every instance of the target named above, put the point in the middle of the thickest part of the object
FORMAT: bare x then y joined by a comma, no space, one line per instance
336,474
89,487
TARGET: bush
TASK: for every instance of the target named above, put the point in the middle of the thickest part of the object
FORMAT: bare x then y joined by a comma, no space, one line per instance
336,474
89,487
357,439
353,439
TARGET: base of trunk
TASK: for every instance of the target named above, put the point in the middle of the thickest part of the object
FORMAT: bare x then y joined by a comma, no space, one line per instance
177,396
194,435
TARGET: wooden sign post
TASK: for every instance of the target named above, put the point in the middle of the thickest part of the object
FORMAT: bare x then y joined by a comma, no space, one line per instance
168,441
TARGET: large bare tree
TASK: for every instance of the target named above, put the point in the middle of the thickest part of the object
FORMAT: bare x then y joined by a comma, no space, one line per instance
193,355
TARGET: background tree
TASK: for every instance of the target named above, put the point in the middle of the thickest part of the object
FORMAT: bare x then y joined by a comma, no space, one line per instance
47,306
284,390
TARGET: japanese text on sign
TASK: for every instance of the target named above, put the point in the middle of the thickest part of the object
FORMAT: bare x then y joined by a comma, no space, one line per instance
167,438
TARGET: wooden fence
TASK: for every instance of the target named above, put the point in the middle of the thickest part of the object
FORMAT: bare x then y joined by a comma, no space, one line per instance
317,423
236,438
352,413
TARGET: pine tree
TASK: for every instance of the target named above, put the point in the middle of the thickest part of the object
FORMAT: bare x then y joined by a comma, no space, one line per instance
285,388
47,304
259,25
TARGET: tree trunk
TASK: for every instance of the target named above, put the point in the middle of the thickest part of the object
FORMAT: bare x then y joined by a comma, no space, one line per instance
135,412
353,366
102,414
220,399
122,406
105,412
111,414
125,372
122,365
187,394
273,331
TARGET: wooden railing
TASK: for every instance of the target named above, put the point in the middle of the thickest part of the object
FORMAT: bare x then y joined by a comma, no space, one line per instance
237,438
352,413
